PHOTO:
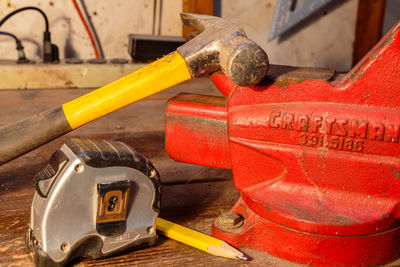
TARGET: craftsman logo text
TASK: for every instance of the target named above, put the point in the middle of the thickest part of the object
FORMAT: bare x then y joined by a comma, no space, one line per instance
334,133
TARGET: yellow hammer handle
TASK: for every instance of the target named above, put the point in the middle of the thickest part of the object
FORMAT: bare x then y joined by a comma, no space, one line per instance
153,78
22,136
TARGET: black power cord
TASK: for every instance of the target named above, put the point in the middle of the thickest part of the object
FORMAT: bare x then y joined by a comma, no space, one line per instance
50,51
20,47
23,9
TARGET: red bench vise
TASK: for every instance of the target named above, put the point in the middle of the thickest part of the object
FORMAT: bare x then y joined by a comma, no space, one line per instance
316,156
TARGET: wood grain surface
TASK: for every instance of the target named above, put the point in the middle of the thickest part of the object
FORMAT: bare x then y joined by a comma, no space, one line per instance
192,196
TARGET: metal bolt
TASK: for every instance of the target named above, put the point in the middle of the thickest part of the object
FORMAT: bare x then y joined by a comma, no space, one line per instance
152,173
64,246
230,220
150,230
79,168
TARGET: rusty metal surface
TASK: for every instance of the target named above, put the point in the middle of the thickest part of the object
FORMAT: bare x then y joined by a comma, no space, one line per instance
288,73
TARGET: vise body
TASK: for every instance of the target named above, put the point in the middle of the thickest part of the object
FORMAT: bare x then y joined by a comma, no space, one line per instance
315,154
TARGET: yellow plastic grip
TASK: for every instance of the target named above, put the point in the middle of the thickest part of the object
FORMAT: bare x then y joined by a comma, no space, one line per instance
153,78
186,235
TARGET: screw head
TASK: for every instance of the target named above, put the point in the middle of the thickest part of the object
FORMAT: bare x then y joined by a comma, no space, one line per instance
79,168
153,173
64,246
230,220
150,230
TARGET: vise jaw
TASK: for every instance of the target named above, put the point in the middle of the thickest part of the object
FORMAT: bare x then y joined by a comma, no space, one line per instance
315,154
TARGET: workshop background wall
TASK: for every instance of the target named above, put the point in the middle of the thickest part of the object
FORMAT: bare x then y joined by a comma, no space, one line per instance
327,42
114,21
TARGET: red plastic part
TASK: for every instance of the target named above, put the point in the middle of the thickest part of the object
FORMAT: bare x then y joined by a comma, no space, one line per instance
317,162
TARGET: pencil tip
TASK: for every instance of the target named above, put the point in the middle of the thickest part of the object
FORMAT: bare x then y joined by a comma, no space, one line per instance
243,257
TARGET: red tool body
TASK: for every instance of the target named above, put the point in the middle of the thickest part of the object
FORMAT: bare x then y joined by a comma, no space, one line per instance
316,157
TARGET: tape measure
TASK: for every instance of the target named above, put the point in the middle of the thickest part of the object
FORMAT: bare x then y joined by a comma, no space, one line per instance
94,198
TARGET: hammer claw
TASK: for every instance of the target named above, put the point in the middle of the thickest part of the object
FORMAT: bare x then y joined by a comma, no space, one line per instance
221,44
210,23
193,20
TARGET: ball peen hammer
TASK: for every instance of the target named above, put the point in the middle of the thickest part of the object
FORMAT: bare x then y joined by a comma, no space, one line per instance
220,45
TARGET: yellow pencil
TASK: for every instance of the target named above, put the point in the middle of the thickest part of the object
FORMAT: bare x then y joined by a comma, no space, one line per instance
198,240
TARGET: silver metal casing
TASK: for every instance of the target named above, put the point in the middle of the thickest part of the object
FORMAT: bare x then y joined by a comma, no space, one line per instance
63,222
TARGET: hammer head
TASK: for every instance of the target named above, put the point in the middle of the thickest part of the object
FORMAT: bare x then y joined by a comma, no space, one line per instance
223,45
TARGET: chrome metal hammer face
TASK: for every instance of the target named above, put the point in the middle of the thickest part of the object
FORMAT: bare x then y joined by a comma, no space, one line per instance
222,44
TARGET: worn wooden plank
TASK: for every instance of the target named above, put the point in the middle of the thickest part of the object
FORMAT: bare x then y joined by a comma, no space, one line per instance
15,175
62,75
193,196
193,205
141,125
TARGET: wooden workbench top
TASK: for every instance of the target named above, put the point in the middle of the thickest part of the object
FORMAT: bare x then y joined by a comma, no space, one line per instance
192,195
